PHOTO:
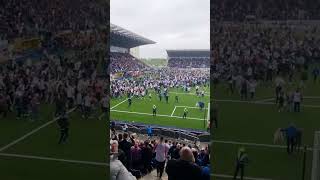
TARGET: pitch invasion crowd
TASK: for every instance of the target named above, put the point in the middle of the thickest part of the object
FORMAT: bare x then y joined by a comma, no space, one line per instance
156,79
55,80
22,18
130,155
253,53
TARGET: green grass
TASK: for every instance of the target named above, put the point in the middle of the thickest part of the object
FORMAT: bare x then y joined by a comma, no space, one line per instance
168,114
256,123
156,62
87,142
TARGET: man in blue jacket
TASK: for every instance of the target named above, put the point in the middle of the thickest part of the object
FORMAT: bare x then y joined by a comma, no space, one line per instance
291,134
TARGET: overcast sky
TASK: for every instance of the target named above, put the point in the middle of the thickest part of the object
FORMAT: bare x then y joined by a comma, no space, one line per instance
173,24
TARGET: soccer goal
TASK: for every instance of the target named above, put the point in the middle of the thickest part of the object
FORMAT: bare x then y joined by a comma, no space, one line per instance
316,157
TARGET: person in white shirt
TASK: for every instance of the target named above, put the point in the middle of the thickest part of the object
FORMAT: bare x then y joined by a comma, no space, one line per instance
297,99
252,88
87,106
161,155
104,106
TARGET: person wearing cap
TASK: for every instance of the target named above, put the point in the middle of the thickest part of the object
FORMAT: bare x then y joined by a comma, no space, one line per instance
241,162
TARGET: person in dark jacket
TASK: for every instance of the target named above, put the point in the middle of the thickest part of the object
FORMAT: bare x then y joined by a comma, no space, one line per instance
184,168
125,146
291,134
64,127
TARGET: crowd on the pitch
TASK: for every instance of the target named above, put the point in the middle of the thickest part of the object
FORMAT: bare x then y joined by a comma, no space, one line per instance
21,18
140,157
156,79
191,62
242,10
25,87
257,52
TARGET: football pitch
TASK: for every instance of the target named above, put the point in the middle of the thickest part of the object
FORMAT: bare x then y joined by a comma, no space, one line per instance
168,114
252,124
30,150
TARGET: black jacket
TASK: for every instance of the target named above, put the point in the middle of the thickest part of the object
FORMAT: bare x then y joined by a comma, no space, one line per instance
183,170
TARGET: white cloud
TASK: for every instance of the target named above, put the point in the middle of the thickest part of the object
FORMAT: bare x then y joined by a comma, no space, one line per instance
173,24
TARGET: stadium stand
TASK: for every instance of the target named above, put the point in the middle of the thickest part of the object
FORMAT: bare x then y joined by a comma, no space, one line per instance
188,58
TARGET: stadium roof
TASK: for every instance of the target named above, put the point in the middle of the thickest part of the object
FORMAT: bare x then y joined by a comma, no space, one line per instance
189,53
121,37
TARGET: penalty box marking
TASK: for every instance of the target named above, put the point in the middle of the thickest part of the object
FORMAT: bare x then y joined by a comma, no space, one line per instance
175,107
161,115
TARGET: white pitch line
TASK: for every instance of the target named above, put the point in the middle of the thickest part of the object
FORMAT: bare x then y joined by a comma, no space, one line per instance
119,104
254,144
191,107
30,133
173,110
163,115
53,159
231,177
187,93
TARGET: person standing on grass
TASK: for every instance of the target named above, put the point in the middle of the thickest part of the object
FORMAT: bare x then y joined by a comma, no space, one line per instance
154,110
150,96
281,101
104,106
241,161
176,99
185,113
87,106
315,73
167,98
3,106
291,134
64,127
297,99
214,116
160,96
35,103
252,88
129,101
161,155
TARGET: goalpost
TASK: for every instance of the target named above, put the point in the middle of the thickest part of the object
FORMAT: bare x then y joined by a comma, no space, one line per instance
316,157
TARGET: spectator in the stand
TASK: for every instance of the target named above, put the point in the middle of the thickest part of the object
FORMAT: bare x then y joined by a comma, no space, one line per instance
184,168
149,131
136,155
160,151
117,170
147,156
125,145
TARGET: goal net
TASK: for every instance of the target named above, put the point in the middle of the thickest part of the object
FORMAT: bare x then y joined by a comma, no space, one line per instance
316,157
